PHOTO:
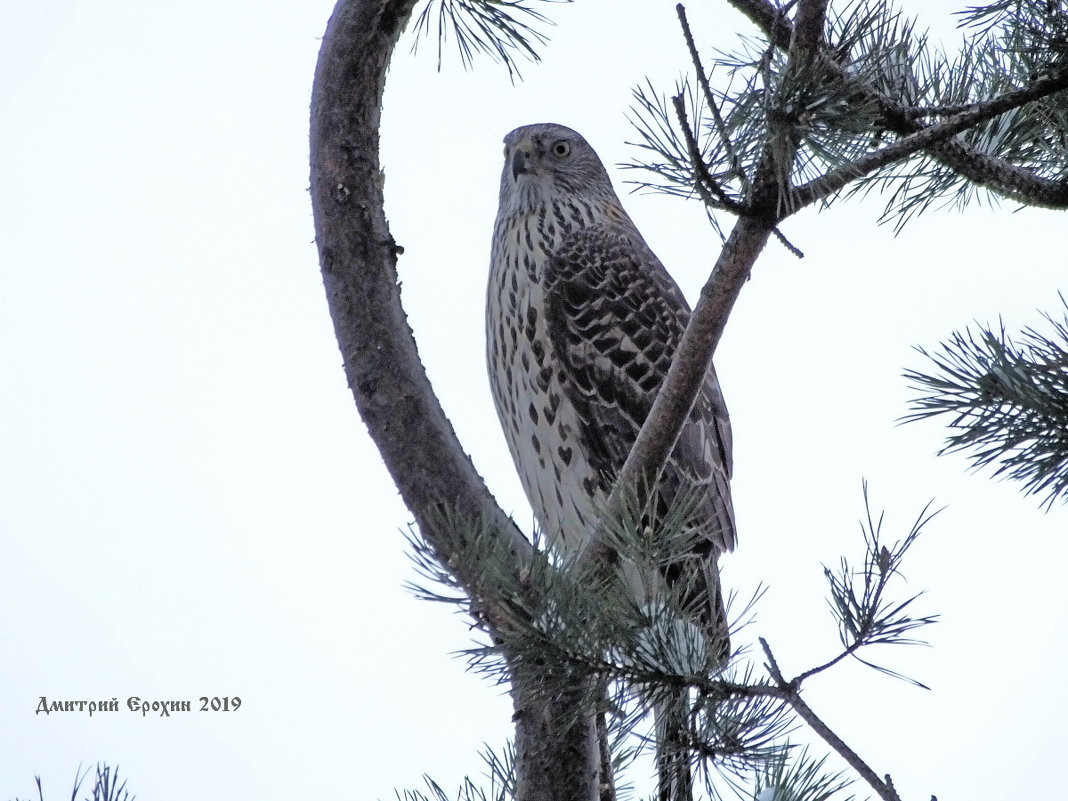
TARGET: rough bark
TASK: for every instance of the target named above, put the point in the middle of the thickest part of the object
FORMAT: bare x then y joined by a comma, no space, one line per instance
358,259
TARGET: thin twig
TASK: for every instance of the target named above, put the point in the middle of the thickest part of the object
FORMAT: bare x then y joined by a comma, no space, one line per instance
705,184
710,101
846,653
792,696
786,243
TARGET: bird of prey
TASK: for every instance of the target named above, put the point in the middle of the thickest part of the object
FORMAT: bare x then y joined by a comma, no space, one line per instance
582,323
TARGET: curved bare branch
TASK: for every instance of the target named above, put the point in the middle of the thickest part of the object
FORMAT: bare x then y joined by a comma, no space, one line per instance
358,258
557,754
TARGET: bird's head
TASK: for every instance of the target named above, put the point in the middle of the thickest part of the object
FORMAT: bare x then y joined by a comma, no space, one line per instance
547,162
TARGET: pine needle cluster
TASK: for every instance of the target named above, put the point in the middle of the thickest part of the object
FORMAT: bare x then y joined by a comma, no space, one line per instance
846,120
506,31
1007,400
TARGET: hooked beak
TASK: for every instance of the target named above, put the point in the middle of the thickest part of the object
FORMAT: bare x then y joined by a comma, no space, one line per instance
520,163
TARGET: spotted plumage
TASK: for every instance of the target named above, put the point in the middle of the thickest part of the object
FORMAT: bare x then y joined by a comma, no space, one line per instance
582,323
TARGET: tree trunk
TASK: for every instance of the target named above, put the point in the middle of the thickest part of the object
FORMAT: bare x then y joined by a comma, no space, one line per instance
556,745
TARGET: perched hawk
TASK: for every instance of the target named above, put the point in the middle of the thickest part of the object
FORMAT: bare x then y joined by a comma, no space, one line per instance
582,323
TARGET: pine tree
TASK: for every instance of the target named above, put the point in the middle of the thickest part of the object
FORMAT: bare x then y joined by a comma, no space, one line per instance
819,105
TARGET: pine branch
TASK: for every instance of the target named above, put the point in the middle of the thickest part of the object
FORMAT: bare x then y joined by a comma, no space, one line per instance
981,168
1008,402
646,653
860,599
866,616
924,138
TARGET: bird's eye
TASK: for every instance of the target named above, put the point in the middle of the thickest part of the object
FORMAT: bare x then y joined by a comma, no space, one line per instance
561,149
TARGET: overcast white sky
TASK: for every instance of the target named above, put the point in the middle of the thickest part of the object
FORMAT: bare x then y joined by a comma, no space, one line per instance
190,505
